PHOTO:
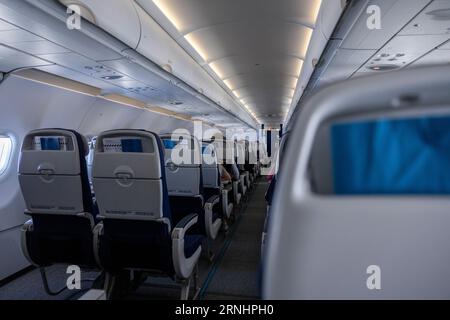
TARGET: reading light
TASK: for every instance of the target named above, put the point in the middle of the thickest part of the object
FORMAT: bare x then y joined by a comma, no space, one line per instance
316,10
236,94
194,44
294,83
168,13
308,37
228,84
216,70
298,68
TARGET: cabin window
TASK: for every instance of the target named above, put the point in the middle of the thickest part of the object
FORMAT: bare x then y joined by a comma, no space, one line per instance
5,153
391,156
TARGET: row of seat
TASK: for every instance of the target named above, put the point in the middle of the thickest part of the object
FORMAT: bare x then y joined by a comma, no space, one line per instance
149,211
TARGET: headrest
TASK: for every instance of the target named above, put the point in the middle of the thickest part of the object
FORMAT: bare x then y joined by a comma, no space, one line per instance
131,152
181,150
51,152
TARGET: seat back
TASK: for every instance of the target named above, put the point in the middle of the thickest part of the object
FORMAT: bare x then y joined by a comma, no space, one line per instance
128,176
129,183
183,166
53,174
210,166
184,176
55,186
363,197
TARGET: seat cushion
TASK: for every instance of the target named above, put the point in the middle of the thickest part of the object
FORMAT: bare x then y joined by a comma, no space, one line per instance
191,243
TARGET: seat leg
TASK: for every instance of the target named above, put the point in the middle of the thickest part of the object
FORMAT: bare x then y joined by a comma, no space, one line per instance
209,252
117,285
196,283
46,285
225,226
185,286
109,285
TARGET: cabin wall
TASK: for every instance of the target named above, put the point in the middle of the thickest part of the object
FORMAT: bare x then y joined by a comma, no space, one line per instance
28,105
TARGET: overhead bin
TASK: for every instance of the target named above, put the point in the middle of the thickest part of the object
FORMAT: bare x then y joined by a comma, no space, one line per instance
31,18
94,57
132,25
119,18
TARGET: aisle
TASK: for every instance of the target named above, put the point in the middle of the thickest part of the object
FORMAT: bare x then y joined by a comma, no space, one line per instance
237,273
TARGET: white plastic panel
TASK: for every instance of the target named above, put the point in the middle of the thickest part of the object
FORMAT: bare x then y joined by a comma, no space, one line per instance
86,66
445,46
435,19
183,181
41,24
344,64
118,17
12,59
6,26
320,247
61,195
403,50
433,58
17,35
135,199
394,15
39,47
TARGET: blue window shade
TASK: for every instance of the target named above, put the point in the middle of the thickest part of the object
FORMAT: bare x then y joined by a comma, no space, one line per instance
132,145
169,144
408,156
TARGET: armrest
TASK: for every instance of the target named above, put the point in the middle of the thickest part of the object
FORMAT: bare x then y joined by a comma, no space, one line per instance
183,266
242,184
212,227
236,193
97,232
26,228
227,207
212,201
183,225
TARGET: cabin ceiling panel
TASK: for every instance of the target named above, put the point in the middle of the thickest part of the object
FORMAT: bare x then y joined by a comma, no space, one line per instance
192,15
250,38
257,66
245,80
255,47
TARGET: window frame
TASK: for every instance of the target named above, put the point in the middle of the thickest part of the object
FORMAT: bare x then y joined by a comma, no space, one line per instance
5,160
